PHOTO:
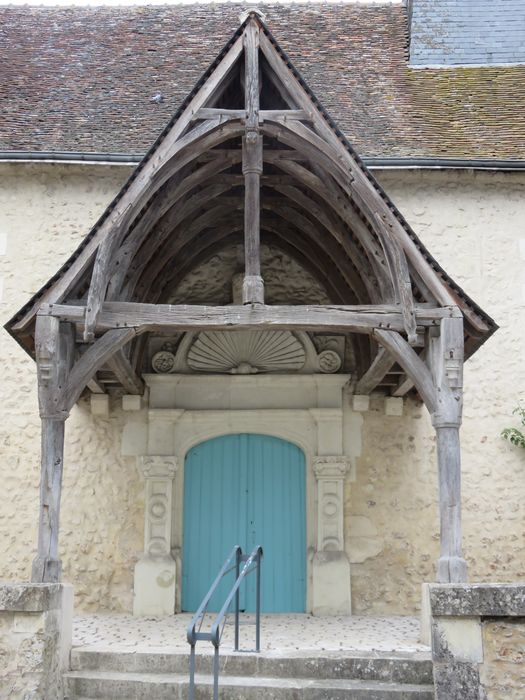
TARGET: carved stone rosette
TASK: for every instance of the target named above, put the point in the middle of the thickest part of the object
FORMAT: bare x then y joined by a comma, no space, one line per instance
330,472
158,472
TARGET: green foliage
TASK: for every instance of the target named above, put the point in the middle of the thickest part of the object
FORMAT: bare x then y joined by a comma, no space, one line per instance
513,435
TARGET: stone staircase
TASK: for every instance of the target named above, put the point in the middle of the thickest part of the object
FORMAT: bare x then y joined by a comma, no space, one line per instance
245,676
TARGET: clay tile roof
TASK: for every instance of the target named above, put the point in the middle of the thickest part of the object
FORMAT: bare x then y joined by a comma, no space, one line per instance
107,79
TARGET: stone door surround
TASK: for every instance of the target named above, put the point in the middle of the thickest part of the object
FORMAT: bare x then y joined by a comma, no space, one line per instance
185,410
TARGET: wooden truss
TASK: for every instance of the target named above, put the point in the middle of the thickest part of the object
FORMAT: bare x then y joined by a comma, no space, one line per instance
252,156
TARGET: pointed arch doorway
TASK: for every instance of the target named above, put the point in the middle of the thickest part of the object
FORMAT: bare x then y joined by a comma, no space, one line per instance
245,489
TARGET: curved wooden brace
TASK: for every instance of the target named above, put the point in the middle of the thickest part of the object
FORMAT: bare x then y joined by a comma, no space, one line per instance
95,356
203,137
172,192
368,198
413,365
210,242
335,227
331,247
173,219
336,201
140,285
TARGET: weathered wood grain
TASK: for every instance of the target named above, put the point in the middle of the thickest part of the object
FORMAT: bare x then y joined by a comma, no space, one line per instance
124,372
413,365
377,371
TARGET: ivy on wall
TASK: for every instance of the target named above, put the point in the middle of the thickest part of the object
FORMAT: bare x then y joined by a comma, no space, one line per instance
513,435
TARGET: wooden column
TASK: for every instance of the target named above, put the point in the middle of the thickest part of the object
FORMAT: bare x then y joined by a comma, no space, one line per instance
252,166
446,362
54,342
440,385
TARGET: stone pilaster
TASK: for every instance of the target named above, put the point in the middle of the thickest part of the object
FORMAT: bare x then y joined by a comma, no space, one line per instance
331,568
155,572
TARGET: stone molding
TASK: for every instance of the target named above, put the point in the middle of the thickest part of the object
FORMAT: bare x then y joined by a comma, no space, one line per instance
159,472
330,472
158,466
331,467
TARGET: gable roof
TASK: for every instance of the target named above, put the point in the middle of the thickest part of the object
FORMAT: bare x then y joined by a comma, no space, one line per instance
71,77
374,225
456,32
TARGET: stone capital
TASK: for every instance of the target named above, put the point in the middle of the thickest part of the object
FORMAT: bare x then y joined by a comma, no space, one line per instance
331,467
158,466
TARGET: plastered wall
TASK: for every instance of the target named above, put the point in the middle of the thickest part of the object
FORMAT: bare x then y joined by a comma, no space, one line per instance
473,225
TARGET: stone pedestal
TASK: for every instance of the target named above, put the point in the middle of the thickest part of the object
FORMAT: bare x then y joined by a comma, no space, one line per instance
155,572
36,624
331,568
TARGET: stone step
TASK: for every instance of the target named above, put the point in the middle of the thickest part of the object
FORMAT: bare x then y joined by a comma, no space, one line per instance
396,668
172,686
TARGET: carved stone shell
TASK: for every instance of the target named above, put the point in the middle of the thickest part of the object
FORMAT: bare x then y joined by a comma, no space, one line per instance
246,352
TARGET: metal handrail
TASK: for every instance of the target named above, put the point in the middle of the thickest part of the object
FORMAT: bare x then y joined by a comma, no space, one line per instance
194,634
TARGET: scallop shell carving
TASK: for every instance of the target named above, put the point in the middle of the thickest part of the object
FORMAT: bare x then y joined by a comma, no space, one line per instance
246,352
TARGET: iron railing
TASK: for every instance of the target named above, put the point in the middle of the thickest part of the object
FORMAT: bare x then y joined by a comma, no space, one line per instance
252,562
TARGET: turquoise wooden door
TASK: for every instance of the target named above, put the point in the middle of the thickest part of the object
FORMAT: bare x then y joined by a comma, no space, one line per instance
245,489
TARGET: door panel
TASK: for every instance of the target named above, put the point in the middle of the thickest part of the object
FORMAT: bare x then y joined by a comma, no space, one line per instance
245,489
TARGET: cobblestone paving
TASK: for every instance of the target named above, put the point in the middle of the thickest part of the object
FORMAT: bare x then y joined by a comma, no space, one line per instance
279,633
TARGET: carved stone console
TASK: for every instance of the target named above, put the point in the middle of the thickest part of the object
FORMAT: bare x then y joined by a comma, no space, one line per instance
155,572
331,568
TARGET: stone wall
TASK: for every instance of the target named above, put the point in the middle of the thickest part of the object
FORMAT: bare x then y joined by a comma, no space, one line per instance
471,224
35,639
478,640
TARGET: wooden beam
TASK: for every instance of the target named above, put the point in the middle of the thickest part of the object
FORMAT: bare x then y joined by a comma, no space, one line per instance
252,166
214,112
92,360
173,192
54,346
343,208
400,274
403,387
367,197
446,358
182,151
377,371
141,318
413,365
124,372
137,183
331,246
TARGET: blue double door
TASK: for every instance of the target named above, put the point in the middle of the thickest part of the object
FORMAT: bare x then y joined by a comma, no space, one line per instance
245,489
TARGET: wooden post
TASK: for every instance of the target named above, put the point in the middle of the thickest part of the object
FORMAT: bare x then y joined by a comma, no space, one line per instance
54,343
441,388
252,167
446,362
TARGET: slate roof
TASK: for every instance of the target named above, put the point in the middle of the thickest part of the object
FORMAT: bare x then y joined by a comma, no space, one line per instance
454,32
83,79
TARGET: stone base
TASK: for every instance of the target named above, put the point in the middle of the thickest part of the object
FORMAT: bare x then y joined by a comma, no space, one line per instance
36,626
331,584
154,586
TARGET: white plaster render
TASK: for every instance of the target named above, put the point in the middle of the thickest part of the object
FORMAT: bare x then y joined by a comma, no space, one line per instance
3,243
471,222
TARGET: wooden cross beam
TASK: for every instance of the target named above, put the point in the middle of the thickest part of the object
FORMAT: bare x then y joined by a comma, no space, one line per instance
155,317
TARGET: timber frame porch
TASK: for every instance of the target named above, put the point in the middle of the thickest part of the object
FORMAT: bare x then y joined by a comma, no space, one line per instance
252,156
